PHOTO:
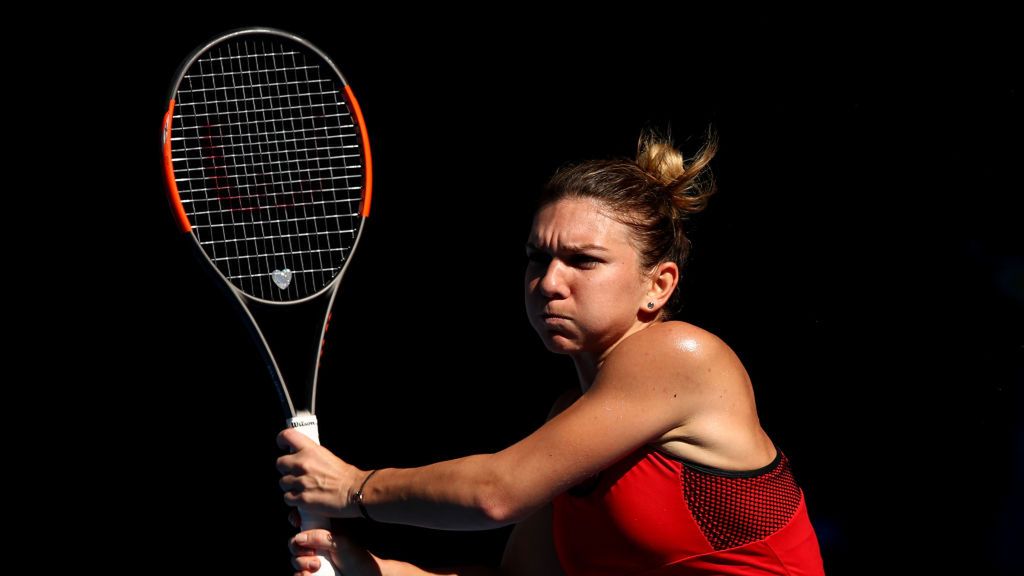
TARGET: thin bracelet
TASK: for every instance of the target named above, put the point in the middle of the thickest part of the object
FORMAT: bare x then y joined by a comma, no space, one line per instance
358,496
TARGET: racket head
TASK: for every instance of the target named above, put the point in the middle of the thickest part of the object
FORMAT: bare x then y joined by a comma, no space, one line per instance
268,163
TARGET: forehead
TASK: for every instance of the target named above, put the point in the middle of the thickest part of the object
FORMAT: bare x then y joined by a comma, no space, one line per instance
574,222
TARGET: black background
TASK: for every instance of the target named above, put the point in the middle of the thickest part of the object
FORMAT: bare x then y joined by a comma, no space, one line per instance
862,258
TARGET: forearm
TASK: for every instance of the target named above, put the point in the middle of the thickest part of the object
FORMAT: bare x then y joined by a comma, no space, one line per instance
460,494
397,568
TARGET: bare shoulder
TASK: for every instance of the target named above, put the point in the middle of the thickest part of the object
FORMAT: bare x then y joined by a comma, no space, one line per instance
677,344
718,423
684,359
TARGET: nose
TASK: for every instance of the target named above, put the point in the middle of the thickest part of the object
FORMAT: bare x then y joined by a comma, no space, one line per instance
552,285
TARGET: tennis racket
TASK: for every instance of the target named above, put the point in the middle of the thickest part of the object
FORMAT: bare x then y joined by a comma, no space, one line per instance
269,173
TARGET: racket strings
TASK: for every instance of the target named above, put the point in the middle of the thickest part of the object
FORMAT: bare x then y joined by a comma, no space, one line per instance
268,164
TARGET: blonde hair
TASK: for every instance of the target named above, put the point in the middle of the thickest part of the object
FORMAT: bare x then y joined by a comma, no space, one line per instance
652,195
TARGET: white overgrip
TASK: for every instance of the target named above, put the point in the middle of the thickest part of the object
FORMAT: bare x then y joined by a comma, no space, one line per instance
305,423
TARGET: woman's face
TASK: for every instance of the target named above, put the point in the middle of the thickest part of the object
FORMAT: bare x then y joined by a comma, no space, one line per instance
583,282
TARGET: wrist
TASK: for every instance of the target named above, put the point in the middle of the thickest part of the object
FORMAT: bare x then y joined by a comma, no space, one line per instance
356,498
348,497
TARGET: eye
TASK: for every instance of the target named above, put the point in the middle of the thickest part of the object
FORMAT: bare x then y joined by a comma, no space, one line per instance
584,261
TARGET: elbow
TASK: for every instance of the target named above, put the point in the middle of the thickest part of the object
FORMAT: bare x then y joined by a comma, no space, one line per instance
500,506
496,509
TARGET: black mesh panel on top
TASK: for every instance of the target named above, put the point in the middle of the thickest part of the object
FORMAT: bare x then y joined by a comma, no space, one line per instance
736,509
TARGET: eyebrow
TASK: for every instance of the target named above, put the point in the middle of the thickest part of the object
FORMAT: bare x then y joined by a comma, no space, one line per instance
571,247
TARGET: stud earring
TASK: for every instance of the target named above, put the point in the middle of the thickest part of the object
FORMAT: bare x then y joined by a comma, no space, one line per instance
650,305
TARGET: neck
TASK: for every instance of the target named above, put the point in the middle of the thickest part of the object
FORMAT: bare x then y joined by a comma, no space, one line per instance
588,364
586,370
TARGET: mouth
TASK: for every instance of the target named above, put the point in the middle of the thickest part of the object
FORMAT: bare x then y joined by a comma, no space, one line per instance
556,323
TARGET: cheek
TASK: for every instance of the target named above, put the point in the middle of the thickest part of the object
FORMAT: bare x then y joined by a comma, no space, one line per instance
622,292
530,284
607,294
617,283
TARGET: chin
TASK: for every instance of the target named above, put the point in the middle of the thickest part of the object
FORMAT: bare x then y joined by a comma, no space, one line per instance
559,343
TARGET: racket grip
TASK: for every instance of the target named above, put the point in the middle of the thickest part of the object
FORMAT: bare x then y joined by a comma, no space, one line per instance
305,423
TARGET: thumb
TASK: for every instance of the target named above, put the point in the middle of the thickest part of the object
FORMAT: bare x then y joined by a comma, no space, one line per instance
317,539
348,556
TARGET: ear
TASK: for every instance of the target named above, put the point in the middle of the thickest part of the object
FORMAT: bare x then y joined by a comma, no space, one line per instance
661,285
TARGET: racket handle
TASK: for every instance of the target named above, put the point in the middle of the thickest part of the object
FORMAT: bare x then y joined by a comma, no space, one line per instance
306,423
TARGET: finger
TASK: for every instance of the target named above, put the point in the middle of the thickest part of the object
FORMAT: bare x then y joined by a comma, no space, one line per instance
292,439
300,549
297,544
293,493
290,483
294,518
286,464
306,563
294,500
318,539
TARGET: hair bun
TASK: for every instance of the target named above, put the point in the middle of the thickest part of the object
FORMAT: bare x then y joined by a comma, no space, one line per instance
660,159
688,186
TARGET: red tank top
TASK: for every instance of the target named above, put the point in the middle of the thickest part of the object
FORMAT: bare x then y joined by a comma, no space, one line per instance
652,515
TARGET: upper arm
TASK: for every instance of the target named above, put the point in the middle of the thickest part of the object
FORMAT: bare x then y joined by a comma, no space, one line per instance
644,389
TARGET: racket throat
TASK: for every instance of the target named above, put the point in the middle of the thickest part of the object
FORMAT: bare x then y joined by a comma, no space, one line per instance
295,334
